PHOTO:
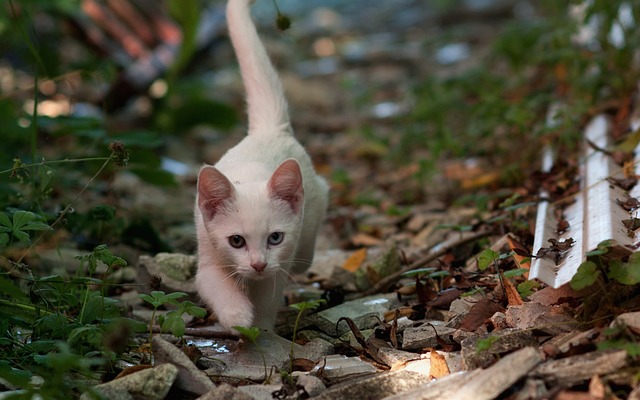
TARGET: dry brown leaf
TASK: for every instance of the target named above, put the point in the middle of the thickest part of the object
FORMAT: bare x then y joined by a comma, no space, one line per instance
480,312
355,260
363,239
597,389
518,250
439,366
513,297
133,369
480,181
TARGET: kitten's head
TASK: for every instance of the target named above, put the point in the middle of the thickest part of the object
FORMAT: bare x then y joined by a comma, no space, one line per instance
253,227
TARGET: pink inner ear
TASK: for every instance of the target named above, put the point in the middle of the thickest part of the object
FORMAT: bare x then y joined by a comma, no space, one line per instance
286,184
214,189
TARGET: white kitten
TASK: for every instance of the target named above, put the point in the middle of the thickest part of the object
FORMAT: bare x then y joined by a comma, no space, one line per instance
259,208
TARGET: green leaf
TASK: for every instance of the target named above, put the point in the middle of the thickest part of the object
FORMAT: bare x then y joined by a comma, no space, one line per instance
174,323
11,289
626,273
250,333
439,274
586,275
602,248
307,305
486,257
419,271
5,221
4,239
485,344
86,335
191,309
526,288
16,377
515,272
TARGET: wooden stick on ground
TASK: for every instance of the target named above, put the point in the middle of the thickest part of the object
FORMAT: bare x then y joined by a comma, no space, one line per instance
388,280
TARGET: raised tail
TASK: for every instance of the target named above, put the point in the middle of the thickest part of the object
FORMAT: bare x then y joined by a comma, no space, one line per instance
266,104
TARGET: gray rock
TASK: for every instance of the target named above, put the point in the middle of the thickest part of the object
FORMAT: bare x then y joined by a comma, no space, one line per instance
259,392
631,320
425,336
377,386
150,384
190,378
316,349
364,312
177,270
549,319
499,343
395,358
225,392
246,362
311,384
338,365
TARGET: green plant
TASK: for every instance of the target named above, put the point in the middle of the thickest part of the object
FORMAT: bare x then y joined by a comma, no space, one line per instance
605,264
52,327
252,334
301,307
172,321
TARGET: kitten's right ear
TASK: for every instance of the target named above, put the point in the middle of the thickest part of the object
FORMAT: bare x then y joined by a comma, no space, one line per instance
214,189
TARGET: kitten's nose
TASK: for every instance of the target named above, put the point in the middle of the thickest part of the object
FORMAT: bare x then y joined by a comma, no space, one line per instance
259,266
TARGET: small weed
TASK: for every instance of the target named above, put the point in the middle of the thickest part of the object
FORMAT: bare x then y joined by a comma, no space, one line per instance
172,321
252,334
601,264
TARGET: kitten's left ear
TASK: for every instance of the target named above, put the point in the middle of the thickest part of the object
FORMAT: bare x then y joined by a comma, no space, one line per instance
214,190
286,184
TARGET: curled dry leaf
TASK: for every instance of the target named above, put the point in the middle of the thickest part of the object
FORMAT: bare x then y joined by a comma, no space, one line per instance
355,260
630,204
439,366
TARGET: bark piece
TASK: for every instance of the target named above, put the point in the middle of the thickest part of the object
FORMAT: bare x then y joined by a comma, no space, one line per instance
489,383
582,367
551,320
377,386
426,336
482,351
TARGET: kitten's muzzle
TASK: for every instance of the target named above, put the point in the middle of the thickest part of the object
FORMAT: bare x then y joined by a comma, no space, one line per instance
259,266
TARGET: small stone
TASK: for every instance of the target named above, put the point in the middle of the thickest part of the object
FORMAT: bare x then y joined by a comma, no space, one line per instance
177,270
365,313
338,365
311,384
631,320
225,392
316,349
552,320
499,321
259,392
426,336
395,358
246,361
497,344
190,378
150,384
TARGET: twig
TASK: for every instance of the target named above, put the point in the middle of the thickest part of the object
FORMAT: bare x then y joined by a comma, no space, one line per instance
203,333
388,280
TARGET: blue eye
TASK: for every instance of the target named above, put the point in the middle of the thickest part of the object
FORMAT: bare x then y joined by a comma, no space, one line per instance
275,238
236,241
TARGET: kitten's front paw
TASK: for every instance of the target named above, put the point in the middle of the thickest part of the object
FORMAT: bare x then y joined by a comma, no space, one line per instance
236,316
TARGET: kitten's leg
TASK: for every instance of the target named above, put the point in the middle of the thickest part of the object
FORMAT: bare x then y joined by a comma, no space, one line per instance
267,297
221,293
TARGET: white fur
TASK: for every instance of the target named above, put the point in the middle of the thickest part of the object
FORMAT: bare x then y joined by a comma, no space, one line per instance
253,191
